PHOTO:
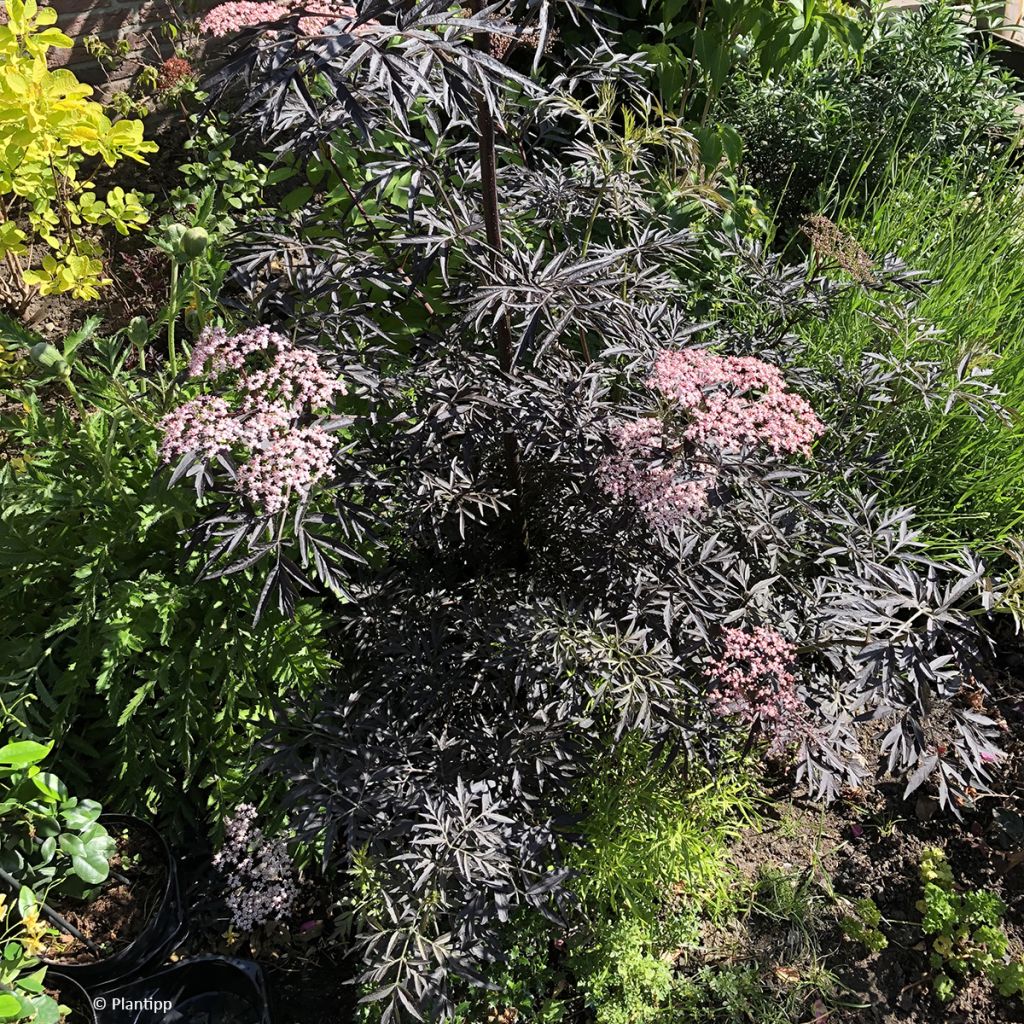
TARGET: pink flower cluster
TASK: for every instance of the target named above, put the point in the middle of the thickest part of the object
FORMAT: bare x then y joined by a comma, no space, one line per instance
290,463
231,17
217,351
295,377
754,681
257,871
735,402
640,469
328,15
203,424
727,402
284,459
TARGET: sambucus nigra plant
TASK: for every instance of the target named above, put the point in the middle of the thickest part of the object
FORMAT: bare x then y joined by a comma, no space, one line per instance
494,280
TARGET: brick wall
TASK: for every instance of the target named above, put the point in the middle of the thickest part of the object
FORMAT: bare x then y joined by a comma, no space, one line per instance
108,19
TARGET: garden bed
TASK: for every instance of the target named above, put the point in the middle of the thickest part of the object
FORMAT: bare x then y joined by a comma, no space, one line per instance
529,497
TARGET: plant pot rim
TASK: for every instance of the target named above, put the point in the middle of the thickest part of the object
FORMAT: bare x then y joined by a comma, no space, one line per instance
57,979
227,975
135,957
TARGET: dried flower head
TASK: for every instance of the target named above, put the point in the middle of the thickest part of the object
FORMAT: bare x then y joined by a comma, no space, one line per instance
173,72
835,245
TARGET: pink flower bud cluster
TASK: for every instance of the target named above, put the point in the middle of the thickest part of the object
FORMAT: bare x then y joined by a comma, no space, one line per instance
735,402
754,681
641,469
231,17
258,873
284,458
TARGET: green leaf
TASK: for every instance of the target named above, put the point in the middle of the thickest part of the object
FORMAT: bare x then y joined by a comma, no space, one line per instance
47,1010
88,860
24,752
47,849
297,198
15,332
33,982
26,900
50,786
10,1007
83,815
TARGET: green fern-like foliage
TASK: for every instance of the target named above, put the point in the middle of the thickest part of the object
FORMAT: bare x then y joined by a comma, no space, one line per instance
156,680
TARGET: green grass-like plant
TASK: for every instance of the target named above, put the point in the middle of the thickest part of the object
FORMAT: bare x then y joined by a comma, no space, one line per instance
964,472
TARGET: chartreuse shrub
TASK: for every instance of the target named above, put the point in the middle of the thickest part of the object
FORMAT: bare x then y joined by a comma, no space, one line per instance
152,683
49,127
651,863
969,937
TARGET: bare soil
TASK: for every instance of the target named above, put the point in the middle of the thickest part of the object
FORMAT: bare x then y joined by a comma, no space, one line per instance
870,845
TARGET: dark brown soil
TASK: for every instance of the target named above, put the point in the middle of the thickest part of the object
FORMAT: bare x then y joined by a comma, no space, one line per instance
870,846
117,915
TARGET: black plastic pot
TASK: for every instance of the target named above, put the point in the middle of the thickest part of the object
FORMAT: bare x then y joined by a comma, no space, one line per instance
165,930
73,995
203,990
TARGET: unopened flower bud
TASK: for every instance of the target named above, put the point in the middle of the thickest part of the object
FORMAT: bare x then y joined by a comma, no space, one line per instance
138,330
45,355
174,233
194,243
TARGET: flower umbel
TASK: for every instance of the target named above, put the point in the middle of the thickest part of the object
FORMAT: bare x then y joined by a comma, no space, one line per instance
640,469
227,18
754,681
258,872
735,402
716,404
272,387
